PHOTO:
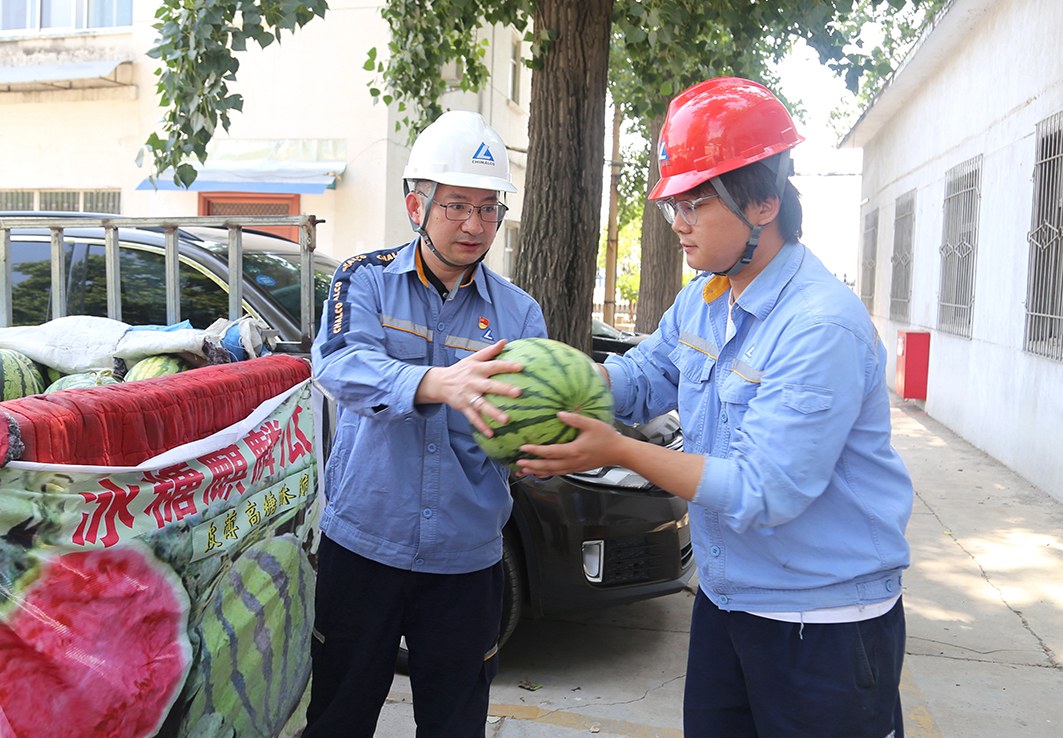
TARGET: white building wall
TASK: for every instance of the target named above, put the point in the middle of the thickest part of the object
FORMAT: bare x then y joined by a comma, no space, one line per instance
986,98
312,85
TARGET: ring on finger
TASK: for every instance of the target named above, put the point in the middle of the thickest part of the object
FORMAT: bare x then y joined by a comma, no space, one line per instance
476,400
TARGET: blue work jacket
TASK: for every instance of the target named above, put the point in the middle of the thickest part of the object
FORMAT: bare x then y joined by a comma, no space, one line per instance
803,502
405,484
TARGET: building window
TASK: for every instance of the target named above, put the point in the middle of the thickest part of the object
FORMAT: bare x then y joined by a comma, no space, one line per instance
67,201
901,283
253,204
60,15
515,65
959,247
511,250
16,200
1044,292
868,257
450,73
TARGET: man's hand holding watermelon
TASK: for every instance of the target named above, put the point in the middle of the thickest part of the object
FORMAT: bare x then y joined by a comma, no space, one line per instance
462,386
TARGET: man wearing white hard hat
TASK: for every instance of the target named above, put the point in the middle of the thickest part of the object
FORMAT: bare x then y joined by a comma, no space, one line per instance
412,526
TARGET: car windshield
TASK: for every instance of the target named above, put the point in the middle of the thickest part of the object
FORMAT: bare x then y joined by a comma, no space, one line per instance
601,328
275,271
277,275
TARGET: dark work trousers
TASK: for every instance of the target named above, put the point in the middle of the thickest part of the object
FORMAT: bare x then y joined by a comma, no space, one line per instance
451,624
752,677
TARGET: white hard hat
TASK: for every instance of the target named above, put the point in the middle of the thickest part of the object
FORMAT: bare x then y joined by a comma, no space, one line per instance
460,149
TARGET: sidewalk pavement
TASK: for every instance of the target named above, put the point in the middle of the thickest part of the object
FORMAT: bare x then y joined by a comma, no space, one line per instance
984,596
984,602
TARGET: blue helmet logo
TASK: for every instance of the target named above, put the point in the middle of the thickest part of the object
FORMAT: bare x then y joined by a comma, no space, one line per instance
662,153
483,154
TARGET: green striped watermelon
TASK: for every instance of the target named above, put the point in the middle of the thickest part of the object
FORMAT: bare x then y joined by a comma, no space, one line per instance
82,380
254,637
555,377
19,375
156,366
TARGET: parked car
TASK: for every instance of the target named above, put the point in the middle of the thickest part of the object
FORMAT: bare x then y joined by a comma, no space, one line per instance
573,542
607,339
271,283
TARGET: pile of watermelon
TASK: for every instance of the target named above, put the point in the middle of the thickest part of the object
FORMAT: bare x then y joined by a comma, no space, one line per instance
21,376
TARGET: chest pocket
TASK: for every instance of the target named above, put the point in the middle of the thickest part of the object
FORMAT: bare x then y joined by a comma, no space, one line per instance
460,349
694,366
405,346
736,393
807,399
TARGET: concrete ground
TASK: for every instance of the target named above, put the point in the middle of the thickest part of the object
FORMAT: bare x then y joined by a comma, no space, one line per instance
984,601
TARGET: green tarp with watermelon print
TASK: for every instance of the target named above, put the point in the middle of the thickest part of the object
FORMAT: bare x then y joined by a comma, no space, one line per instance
172,598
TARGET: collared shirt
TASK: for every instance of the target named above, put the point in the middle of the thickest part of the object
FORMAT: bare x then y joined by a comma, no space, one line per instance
405,484
803,502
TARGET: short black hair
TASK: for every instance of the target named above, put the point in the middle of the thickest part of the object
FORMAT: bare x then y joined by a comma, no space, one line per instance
755,183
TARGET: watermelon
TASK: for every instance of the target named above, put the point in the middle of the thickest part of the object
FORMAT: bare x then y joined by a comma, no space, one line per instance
98,646
82,380
555,377
19,374
156,366
254,637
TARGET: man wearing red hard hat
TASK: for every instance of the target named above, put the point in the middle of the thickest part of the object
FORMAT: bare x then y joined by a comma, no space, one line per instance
798,501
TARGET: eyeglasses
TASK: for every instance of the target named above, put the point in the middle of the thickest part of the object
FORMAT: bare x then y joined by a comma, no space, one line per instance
461,211
688,209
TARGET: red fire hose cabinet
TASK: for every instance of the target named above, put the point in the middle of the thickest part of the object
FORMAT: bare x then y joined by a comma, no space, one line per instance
913,361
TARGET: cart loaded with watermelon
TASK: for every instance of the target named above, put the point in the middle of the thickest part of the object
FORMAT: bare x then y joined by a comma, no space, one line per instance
155,576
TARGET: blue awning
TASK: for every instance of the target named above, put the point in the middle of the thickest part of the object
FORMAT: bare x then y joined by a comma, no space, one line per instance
296,178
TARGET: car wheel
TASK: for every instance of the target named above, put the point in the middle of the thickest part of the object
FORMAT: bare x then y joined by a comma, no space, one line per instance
512,603
512,589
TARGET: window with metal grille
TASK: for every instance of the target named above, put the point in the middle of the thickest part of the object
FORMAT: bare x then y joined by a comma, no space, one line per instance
1044,291
868,257
901,283
16,200
54,15
67,201
101,202
959,247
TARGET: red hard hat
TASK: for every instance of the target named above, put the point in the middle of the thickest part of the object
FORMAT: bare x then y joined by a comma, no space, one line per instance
717,126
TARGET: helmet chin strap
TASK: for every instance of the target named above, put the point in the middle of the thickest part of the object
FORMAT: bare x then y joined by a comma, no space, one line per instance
781,174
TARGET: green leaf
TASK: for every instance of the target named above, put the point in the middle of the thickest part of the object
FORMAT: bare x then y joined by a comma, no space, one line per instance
196,47
184,175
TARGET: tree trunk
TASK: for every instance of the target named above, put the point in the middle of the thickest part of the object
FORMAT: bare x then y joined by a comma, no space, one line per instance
661,273
566,154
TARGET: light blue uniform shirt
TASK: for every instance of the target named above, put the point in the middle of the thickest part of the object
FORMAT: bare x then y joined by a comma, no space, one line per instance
406,485
803,501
